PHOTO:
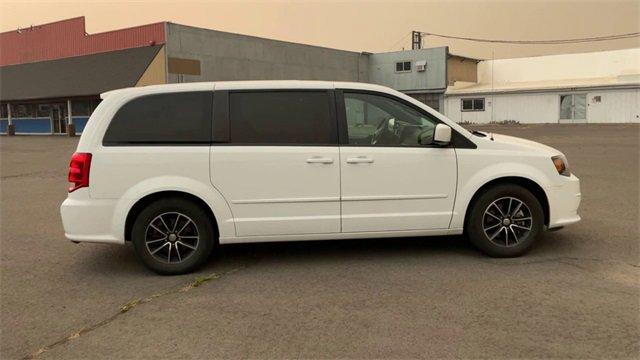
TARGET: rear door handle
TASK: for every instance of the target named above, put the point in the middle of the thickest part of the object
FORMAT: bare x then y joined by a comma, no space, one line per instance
319,160
359,160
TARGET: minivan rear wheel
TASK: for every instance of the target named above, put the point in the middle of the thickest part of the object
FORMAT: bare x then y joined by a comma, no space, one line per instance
505,221
173,236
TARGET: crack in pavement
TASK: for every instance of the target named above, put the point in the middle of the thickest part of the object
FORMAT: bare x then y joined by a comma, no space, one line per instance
129,306
562,260
29,174
203,279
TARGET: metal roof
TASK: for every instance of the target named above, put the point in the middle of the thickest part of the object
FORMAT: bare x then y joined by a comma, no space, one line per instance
69,38
466,57
75,76
466,88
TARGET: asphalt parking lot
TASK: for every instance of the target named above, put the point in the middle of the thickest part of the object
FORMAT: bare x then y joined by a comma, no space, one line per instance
575,295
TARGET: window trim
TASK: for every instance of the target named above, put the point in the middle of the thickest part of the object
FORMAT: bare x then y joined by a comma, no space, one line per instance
106,143
403,70
484,104
223,135
458,140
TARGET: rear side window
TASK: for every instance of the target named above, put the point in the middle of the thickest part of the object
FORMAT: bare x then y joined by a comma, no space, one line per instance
282,117
172,118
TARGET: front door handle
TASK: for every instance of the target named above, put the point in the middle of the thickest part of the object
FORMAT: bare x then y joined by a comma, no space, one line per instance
359,160
319,160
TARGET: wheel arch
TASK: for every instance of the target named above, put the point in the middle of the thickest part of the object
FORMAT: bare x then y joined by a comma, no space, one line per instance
143,202
526,183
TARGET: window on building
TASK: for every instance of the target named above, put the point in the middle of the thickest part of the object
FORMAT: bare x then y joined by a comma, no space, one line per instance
403,66
23,110
4,112
573,107
44,110
472,104
382,121
94,105
431,100
174,118
81,107
281,117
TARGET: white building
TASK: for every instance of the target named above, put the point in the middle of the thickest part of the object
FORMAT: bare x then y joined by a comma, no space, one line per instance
597,87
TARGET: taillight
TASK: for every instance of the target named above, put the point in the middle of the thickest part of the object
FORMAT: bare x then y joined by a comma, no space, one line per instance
79,170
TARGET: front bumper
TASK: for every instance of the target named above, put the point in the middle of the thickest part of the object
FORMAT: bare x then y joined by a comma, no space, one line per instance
88,220
564,200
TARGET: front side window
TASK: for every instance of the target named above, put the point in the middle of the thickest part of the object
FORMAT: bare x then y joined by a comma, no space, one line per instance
472,104
382,121
281,117
172,118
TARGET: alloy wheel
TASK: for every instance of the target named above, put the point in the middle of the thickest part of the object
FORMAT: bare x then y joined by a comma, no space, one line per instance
171,237
507,221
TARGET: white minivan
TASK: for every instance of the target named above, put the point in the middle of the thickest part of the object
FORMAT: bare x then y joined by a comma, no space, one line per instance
178,169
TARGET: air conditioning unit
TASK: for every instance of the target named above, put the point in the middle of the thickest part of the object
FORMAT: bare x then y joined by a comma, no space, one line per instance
421,65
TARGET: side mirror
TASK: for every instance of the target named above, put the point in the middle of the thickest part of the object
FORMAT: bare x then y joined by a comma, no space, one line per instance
442,135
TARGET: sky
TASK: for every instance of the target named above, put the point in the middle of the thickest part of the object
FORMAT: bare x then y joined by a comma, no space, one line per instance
372,26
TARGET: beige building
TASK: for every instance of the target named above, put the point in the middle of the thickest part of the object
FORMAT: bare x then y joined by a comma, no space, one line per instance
596,87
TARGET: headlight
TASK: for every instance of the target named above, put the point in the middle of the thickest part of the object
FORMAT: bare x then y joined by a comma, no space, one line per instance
561,165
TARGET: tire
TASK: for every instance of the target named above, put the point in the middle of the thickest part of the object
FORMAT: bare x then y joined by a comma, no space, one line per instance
173,236
516,234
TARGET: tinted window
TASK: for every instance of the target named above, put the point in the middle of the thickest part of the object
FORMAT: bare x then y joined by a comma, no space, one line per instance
175,118
383,121
281,117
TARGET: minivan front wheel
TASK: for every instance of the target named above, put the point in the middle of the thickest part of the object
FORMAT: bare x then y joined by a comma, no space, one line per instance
173,236
505,221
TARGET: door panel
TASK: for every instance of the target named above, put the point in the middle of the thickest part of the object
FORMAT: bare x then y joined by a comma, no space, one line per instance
580,107
58,117
393,177
397,188
279,190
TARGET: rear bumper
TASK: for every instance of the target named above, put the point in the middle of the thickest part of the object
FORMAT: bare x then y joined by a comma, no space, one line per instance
88,220
564,201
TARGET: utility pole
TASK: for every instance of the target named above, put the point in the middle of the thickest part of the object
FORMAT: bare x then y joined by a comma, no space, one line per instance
416,40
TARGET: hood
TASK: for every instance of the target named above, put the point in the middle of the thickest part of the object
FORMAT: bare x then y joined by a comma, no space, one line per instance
523,144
